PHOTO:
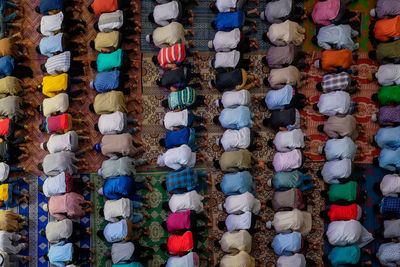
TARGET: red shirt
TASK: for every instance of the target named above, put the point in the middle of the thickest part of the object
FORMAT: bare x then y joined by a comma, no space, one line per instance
5,127
104,6
343,213
178,221
180,244
57,123
173,54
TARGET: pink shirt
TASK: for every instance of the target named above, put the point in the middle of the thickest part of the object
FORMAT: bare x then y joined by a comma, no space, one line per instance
68,204
287,161
324,12
178,221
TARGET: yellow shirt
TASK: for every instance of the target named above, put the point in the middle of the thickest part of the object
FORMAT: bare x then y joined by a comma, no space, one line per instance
4,192
169,35
10,86
53,85
242,259
106,39
232,242
110,102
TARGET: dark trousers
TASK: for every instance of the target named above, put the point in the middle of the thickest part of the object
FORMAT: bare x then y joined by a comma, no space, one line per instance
77,256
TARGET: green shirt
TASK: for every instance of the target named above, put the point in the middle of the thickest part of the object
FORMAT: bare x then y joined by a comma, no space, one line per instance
343,256
388,94
387,51
347,191
182,99
109,61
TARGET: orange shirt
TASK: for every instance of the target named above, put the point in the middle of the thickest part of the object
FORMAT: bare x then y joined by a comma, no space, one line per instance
387,28
179,244
331,59
104,6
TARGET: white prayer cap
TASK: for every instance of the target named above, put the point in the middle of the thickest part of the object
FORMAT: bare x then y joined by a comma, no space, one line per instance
45,207
148,39
262,15
269,182
268,224
42,146
218,141
317,63
210,44
160,161
4,171
320,150
100,191
374,117
372,12
99,172
217,103
91,85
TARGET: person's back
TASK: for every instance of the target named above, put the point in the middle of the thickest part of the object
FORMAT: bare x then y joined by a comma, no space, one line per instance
237,260
287,243
339,126
388,254
58,103
60,253
325,11
55,163
189,260
387,52
58,230
237,183
121,186
104,6
286,180
227,21
232,161
118,144
332,59
389,94
388,137
342,256
110,102
50,5
53,85
10,85
236,118
337,36
340,149
109,61
233,242
386,8
388,28
390,159
169,35
180,244
346,192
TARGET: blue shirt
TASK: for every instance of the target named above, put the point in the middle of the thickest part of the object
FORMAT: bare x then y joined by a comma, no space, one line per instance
106,81
343,148
6,66
50,45
49,5
237,183
287,244
227,21
389,254
390,206
278,99
388,137
182,180
236,118
283,181
115,232
343,256
390,159
180,137
339,36
60,253
119,187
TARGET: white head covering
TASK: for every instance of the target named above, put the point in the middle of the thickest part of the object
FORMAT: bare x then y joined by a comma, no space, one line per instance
100,191
268,224
91,85
262,15
374,117
1,259
320,150
218,141
372,12
99,172
162,122
217,103
45,207
269,182
42,146
317,63
210,44
4,171
210,85
148,39
160,161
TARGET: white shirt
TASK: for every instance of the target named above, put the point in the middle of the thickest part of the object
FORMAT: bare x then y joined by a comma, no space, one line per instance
58,103
181,261
340,149
287,161
173,119
117,208
57,230
111,21
7,242
286,141
388,74
346,233
231,99
4,171
186,201
111,123
334,103
54,186
227,59
226,41
276,10
51,23
122,251
296,260
390,185
237,204
335,170
294,220
63,142
233,242
176,158
163,13
233,140
238,222
59,63
225,5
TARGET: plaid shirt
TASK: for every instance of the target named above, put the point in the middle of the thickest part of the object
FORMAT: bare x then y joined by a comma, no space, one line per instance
181,181
390,206
335,82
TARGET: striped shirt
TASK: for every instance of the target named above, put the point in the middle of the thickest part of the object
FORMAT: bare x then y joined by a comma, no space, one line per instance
182,99
59,63
335,82
174,54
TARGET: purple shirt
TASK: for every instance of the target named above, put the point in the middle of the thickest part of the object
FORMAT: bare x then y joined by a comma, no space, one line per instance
389,114
387,8
287,161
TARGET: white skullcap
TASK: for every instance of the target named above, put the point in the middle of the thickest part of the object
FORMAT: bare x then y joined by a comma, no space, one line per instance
45,207
100,191
268,224
210,44
262,15
217,103
91,85
220,207
99,172
42,146
374,117
148,38
317,63
372,12
218,141
320,150
160,161
269,182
